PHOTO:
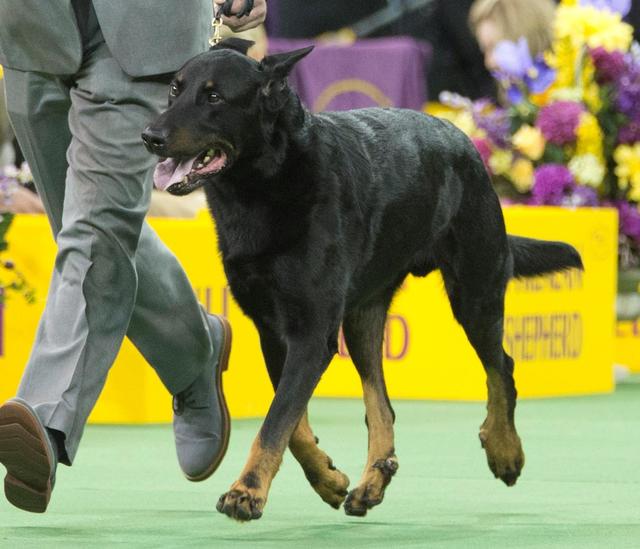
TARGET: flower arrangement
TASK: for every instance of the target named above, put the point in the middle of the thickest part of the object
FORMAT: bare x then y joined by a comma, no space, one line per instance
11,279
568,130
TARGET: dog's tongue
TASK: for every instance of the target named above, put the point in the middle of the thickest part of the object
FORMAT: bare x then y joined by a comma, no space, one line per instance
170,171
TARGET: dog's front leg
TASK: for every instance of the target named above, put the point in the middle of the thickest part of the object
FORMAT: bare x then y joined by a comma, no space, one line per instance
330,483
307,358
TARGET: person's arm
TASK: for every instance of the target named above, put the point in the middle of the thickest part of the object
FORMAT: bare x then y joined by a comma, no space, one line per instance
254,18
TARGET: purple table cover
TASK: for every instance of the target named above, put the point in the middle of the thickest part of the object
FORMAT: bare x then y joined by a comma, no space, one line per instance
386,72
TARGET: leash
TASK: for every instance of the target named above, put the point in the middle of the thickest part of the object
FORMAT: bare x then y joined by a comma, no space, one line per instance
216,23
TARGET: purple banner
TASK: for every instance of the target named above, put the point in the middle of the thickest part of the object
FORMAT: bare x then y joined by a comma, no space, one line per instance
386,72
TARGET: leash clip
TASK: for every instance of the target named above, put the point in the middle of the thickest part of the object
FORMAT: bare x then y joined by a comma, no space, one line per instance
216,23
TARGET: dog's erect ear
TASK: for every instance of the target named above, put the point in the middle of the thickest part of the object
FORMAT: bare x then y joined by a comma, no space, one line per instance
280,64
237,44
276,69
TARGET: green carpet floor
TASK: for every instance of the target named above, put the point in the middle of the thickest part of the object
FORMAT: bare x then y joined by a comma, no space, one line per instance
580,486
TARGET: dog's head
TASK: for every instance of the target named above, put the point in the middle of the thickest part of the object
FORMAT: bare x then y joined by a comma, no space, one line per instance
217,103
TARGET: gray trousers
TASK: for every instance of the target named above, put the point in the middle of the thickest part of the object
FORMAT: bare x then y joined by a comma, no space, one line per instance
112,276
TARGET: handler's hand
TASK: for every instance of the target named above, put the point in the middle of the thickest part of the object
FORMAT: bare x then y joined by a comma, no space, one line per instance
256,16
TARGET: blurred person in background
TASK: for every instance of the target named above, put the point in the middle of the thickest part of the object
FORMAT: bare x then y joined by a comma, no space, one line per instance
457,63
493,21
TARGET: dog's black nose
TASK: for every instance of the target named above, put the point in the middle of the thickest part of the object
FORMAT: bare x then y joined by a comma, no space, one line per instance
155,139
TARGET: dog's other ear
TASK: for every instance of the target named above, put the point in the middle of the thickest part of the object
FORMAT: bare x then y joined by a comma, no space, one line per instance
280,64
237,44
276,69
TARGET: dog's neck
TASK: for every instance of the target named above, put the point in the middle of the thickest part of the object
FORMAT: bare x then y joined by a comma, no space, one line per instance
283,132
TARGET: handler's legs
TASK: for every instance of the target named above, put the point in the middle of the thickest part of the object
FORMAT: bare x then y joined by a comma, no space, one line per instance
112,273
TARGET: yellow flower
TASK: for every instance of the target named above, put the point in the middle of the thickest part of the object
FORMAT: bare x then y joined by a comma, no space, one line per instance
586,25
563,60
587,170
462,119
627,158
522,175
589,137
541,99
529,141
500,161
591,90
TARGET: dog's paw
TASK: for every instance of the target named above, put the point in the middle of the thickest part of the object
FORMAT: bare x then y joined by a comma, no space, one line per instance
504,454
240,504
370,492
331,485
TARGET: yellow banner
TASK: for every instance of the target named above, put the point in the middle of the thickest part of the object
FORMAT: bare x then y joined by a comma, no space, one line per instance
560,329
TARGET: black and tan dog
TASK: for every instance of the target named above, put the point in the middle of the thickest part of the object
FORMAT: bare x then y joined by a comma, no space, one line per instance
320,217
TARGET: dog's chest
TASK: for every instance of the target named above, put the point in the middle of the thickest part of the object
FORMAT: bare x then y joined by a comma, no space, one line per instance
266,294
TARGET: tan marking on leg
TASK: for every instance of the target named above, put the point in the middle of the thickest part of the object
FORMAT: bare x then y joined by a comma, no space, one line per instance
382,462
247,496
330,484
498,433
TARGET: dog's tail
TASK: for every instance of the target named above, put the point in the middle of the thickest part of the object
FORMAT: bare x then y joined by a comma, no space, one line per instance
533,257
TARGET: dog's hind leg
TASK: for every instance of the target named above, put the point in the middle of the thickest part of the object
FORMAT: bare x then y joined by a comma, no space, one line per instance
330,483
363,331
476,288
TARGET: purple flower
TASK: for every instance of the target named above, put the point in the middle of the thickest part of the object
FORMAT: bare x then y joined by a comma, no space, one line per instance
551,184
628,85
513,58
628,100
581,196
494,121
516,66
619,6
628,218
610,66
515,94
630,132
559,121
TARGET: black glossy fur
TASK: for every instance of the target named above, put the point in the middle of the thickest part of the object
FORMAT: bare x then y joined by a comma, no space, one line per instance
320,217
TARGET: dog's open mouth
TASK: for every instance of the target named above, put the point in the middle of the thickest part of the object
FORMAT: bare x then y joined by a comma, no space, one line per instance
183,176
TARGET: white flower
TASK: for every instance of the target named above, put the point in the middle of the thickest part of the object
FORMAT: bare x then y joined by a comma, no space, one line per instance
587,170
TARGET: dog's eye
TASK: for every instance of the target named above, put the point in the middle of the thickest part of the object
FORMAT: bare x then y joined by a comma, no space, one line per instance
173,90
213,97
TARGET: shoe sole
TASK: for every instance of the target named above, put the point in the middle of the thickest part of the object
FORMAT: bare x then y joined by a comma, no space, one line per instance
223,365
25,452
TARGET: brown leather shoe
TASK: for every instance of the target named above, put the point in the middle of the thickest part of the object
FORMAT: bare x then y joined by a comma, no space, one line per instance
26,452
